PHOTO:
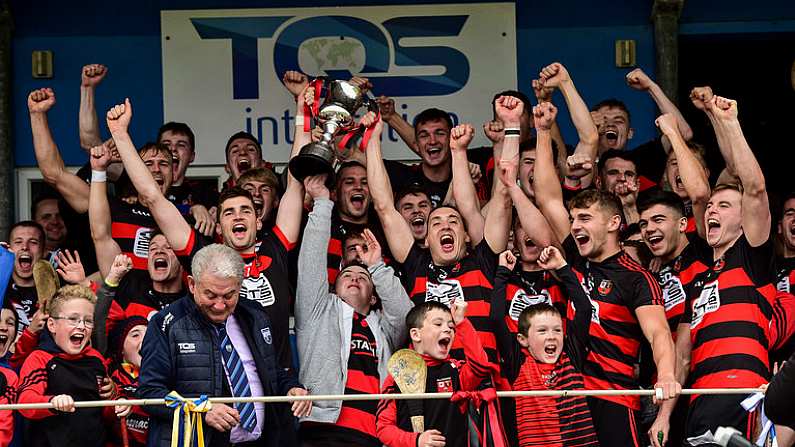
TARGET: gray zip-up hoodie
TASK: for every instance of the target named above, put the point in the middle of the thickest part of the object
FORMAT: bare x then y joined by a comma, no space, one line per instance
323,321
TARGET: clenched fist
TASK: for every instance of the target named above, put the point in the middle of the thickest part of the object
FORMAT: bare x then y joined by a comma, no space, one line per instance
544,115
701,97
638,80
41,100
667,124
387,107
119,117
93,74
494,130
723,108
509,110
460,137
295,82
542,91
554,74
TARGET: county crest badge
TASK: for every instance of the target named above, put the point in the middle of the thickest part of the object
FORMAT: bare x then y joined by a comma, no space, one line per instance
605,287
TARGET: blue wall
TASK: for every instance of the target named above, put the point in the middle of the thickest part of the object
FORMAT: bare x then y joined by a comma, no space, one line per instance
126,37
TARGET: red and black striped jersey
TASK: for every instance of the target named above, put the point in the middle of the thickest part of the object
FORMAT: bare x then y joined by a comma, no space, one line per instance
616,287
785,275
547,421
363,378
266,281
729,310
785,284
136,296
677,276
552,421
525,289
339,230
131,228
471,280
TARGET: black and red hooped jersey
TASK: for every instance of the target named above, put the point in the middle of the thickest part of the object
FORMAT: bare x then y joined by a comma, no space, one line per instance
525,289
470,280
729,310
363,378
339,230
547,421
616,287
136,296
131,228
785,284
266,281
677,276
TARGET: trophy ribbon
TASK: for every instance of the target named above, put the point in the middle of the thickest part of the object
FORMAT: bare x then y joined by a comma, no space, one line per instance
368,132
410,372
46,282
317,85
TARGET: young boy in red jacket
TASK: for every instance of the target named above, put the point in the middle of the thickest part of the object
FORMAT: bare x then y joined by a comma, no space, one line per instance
432,328
62,369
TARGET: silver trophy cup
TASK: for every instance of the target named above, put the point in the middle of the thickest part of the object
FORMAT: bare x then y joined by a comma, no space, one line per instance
335,116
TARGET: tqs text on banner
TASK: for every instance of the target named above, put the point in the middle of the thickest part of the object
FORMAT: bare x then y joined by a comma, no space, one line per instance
222,69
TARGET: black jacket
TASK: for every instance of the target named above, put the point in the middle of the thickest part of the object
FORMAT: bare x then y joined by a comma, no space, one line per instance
180,352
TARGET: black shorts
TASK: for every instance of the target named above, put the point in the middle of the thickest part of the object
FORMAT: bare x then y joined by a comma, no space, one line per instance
615,424
708,412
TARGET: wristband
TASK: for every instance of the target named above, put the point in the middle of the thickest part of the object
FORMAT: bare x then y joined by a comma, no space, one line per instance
111,283
299,121
512,128
98,176
512,132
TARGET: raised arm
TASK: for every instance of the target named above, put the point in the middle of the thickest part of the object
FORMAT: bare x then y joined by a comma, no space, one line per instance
498,216
692,173
404,130
544,93
556,75
165,213
638,80
755,206
548,193
464,193
533,222
106,294
312,291
99,217
291,207
396,229
72,188
88,123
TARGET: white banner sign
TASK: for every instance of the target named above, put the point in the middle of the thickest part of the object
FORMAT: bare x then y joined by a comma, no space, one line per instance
222,69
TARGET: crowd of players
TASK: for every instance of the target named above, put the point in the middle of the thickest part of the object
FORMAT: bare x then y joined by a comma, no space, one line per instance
532,264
